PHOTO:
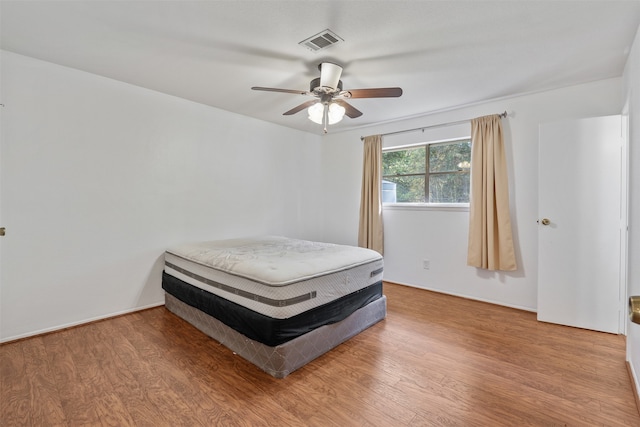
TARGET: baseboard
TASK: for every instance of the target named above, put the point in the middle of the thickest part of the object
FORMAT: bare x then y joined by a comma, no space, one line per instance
634,384
76,324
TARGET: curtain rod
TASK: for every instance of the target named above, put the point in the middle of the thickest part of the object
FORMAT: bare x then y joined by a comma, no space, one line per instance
459,122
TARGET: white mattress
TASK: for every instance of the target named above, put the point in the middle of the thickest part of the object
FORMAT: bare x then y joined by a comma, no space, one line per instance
275,276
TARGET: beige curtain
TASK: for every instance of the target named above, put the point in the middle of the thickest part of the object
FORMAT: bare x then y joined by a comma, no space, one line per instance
370,233
490,237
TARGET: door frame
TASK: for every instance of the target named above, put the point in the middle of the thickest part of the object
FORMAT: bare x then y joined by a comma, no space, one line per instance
624,213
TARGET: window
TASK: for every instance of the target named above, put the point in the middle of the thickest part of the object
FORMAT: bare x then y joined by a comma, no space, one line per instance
429,173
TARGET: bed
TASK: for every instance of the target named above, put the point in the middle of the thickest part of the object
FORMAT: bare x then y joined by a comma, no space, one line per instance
276,301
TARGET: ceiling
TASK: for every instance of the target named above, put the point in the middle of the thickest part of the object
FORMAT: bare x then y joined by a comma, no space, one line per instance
444,54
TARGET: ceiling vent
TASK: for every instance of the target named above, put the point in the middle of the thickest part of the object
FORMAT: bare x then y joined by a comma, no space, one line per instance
322,40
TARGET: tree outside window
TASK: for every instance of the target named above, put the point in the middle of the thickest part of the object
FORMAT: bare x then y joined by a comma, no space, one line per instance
430,173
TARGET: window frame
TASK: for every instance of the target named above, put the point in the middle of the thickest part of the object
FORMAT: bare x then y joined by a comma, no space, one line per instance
427,205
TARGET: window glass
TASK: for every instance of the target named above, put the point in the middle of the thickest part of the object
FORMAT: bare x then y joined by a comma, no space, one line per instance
430,173
449,188
446,157
400,162
407,189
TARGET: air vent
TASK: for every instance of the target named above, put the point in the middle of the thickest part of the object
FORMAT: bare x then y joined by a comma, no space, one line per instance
320,41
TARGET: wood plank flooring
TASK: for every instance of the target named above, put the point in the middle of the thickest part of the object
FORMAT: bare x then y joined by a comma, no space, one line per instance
436,360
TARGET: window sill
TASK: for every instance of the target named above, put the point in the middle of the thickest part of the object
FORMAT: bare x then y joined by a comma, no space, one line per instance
451,207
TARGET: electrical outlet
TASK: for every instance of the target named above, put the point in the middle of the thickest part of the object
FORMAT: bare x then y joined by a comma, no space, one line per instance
426,264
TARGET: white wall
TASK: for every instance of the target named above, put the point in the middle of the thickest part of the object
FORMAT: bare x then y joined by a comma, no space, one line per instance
632,94
441,236
99,177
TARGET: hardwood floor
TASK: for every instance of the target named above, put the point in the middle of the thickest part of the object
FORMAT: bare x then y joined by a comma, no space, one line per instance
436,360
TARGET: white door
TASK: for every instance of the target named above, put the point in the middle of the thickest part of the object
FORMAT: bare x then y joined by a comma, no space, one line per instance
2,230
579,231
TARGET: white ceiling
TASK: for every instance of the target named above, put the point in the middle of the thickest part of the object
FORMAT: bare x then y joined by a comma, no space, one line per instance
444,54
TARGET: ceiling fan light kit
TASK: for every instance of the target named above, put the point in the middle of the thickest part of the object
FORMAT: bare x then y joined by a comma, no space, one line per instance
330,106
316,113
334,112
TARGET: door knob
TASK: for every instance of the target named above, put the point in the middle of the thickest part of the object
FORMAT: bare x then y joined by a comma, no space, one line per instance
634,309
2,231
545,221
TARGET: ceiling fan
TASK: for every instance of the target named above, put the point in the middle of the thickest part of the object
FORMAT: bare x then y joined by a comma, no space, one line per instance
329,105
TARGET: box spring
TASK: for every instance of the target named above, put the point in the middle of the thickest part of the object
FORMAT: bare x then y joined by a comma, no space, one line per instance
280,360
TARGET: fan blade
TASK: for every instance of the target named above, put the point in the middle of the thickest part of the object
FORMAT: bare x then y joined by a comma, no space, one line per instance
330,75
273,89
349,109
300,107
381,92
